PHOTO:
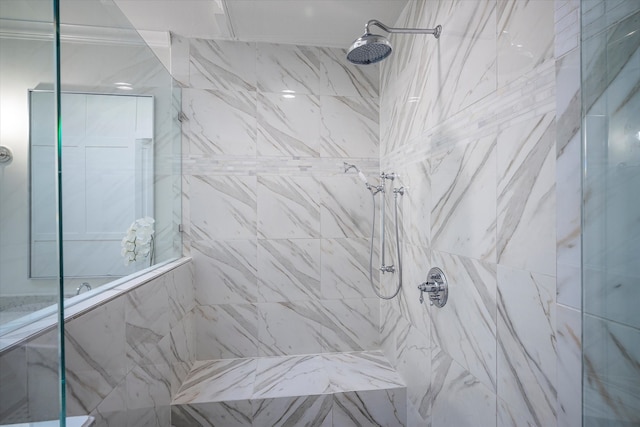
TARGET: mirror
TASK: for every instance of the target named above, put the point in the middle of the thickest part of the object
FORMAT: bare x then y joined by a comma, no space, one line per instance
107,182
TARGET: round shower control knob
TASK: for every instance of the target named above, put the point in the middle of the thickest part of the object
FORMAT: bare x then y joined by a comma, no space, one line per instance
5,154
436,286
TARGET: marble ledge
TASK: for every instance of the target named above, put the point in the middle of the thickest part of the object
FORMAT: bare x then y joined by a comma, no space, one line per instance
286,376
48,319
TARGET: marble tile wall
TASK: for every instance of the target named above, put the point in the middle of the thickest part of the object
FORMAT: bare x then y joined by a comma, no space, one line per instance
611,103
483,127
277,231
125,358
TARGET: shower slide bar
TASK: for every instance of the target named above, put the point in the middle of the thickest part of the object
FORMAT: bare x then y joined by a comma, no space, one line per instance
374,190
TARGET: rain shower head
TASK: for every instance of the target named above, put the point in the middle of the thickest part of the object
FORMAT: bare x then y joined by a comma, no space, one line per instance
372,48
369,49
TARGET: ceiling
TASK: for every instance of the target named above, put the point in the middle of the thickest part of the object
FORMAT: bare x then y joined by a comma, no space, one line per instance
333,23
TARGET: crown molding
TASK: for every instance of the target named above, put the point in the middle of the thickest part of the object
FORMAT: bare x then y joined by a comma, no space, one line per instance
30,30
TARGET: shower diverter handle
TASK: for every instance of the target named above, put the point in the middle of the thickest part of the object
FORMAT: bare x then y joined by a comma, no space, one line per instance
436,286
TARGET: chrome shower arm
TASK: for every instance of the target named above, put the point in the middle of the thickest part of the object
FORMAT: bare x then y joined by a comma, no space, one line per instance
435,31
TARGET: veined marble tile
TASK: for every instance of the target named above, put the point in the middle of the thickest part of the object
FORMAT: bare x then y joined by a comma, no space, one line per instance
223,65
345,268
220,122
610,234
112,410
526,195
466,329
413,15
290,328
226,331
288,124
307,410
567,100
146,317
360,371
483,118
452,385
346,207
148,390
350,324
508,416
157,416
386,408
289,207
181,292
467,53
569,366
416,203
389,319
223,207
612,372
236,413
521,46
402,331
416,262
42,376
180,353
95,355
339,77
288,270
600,14
414,365
13,385
400,72
218,381
289,166
288,68
179,52
595,205
350,126
185,199
595,65
225,271
290,376
463,188
611,295
567,26
465,71
568,181
414,418
527,345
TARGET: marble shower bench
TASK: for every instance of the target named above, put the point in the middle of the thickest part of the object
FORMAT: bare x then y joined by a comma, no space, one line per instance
332,389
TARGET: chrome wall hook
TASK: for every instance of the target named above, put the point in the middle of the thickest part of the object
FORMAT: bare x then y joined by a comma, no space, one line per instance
436,286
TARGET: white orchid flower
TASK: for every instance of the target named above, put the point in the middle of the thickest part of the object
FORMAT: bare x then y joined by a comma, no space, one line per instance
138,241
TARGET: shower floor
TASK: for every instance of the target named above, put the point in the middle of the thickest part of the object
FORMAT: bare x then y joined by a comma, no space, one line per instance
334,389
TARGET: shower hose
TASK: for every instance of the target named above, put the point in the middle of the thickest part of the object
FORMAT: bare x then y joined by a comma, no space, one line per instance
373,227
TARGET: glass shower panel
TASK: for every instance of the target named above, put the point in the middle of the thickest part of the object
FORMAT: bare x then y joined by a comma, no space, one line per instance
121,137
29,372
611,212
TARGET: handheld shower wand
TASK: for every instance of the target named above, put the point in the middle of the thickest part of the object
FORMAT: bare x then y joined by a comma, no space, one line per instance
362,176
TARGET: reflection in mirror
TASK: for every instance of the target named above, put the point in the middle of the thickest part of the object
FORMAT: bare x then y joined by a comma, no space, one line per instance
107,185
